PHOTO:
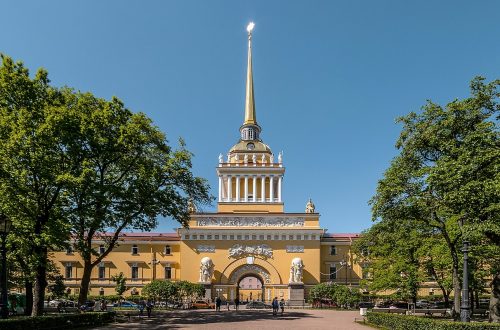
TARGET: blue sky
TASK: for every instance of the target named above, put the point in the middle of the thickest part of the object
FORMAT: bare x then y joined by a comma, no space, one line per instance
330,77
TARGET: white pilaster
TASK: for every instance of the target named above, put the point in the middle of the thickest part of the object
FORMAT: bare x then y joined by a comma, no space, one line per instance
237,188
280,180
220,188
271,189
254,191
229,188
263,188
246,188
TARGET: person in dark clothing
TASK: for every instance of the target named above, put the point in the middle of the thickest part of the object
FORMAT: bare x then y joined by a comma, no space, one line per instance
218,302
282,306
149,307
236,303
275,306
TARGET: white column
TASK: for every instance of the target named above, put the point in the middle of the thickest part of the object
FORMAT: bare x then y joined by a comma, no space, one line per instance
271,188
246,188
237,188
254,188
220,188
263,188
229,188
280,179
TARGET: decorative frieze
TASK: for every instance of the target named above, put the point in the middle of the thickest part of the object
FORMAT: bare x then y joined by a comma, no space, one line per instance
206,248
238,251
295,248
251,222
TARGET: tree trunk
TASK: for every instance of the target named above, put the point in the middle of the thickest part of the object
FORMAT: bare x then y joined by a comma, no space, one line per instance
456,293
85,282
40,283
495,299
28,286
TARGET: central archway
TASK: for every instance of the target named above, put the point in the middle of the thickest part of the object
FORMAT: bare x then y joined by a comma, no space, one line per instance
250,287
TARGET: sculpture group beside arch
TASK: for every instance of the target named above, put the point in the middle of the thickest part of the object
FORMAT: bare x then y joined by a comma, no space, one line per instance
296,271
206,270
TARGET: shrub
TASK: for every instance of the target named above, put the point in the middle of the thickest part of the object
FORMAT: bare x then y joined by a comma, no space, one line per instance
68,321
407,322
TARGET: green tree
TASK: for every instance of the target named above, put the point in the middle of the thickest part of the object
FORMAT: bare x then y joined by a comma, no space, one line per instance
160,290
34,133
448,170
127,176
120,283
58,288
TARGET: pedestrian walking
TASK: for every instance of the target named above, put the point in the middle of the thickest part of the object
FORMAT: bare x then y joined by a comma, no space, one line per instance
236,303
282,306
149,307
217,304
275,306
141,306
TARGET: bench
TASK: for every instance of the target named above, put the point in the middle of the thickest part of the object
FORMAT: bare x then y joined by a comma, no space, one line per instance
390,310
480,311
431,311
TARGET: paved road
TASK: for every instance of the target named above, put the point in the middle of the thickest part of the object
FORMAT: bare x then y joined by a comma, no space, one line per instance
244,319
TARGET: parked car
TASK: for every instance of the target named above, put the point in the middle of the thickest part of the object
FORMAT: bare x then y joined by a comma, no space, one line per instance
422,304
128,304
366,304
258,305
200,304
441,304
88,306
400,305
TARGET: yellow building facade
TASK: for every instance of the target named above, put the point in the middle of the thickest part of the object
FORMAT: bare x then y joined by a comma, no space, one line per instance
249,236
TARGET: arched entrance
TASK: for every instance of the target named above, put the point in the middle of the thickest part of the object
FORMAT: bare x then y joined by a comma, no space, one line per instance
250,287
249,282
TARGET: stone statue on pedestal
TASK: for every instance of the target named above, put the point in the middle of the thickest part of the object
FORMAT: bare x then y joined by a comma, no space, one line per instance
206,270
296,271
310,208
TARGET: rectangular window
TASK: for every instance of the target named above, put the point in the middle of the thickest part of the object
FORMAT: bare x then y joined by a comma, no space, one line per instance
283,237
101,249
254,237
168,250
333,250
168,272
216,236
202,236
247,237
68,271
313,237
290,237
224,236
102,272
209,236
186,236
333,272
135,249
135,272
195,236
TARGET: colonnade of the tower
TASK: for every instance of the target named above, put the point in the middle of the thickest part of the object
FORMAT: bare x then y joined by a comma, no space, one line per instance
256,188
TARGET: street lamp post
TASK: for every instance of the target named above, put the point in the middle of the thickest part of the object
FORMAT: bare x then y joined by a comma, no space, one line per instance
4,231
345,264
465,306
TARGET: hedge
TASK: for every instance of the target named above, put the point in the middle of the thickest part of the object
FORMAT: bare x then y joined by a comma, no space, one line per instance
68,321
407,322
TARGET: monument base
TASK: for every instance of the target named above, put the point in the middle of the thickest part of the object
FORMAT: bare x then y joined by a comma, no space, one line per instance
296,294
208,290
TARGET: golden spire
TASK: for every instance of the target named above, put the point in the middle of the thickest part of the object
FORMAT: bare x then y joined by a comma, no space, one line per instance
250,117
